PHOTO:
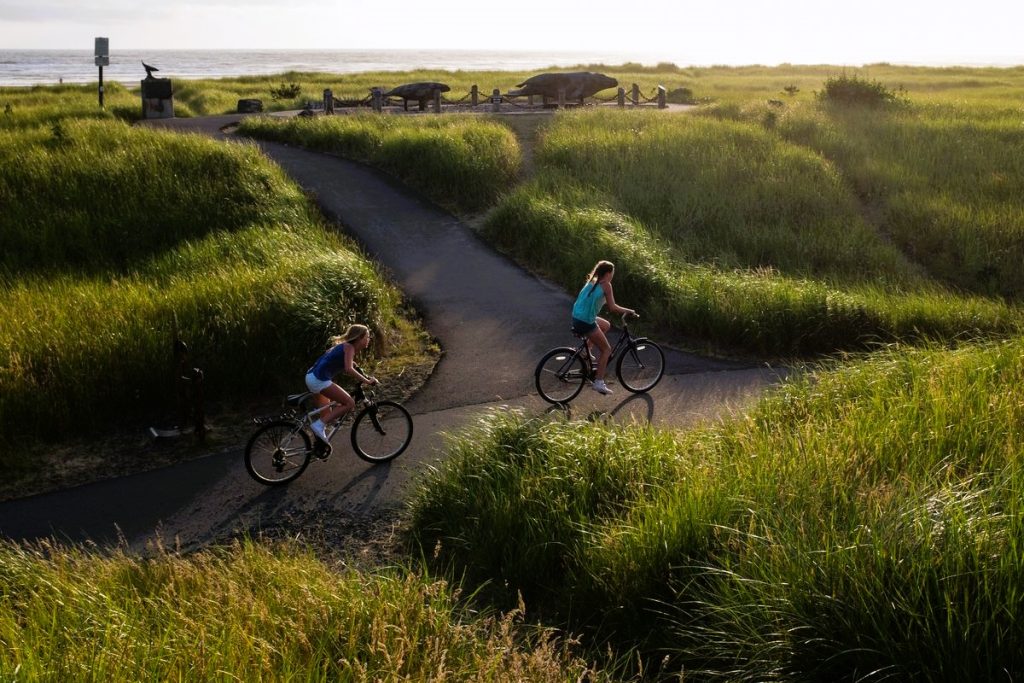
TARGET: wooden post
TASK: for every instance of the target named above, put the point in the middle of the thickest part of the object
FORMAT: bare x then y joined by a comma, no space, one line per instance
474,95
378,99
198,409
622,97
437,101
328,101
561,98
496,100
662,97
636,94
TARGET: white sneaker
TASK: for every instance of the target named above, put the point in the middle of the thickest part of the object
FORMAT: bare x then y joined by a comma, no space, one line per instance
318,429
600,387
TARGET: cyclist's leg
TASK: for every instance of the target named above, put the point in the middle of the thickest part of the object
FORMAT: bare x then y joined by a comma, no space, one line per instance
599,340
344,402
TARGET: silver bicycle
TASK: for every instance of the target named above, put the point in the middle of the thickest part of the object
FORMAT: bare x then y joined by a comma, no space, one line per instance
282,446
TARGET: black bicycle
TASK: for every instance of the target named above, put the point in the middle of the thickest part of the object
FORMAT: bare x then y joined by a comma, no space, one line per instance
562,372
282,447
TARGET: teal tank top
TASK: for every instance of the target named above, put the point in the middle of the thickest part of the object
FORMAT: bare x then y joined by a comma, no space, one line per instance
588,302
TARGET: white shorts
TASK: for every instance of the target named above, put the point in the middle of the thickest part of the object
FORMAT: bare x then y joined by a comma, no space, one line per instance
315,384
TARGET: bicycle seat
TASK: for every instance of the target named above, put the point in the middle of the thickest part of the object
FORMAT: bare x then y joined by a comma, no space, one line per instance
297,399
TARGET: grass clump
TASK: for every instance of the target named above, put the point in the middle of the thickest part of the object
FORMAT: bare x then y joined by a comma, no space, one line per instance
460,162
855,90
250,612
866,520
58,181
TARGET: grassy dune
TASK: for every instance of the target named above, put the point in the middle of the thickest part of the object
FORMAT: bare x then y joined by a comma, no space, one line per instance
461,162
727,235
250,612
863,523
111,248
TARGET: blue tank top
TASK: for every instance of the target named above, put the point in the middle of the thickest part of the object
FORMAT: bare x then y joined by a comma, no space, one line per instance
588,302
329,364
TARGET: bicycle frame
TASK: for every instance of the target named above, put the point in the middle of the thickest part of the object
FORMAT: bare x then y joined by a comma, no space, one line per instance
358,396
622,343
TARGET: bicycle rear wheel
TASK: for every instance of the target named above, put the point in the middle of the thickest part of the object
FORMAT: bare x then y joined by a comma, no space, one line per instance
560,375
277,452
381,432
640,366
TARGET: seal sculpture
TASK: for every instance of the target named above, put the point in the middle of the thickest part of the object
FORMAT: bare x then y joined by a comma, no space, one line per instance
420,92
578,85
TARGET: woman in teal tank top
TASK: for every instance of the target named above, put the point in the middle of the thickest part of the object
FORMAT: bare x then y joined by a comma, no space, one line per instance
585,322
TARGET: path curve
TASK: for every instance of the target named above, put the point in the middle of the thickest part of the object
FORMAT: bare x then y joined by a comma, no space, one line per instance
493,321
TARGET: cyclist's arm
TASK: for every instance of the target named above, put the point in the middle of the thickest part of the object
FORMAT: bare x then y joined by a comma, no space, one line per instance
352,370
609,299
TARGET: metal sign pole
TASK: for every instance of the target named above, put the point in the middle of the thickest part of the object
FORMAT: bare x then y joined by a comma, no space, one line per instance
102,58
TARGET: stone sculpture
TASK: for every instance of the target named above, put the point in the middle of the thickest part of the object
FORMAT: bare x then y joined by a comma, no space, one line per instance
421,92
578,85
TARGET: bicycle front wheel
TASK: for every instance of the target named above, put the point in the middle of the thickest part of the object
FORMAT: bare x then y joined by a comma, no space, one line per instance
560,375
381,432
277,452
640,366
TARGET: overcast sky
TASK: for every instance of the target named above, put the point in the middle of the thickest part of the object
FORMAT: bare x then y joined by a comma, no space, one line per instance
684,31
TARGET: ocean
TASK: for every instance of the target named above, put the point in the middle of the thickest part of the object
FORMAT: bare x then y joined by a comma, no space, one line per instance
48,67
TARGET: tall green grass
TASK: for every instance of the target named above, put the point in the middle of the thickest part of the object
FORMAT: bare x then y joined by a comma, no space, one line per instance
861,525
94,196
561,228
117,241
725,193
24,108
944,180
250,612
462,162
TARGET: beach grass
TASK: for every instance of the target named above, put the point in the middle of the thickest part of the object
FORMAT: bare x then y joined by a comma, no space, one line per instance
461,162
112,251
862,521
726,236
250,611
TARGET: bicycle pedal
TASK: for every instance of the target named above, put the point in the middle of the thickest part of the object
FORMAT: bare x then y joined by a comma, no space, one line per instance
322,450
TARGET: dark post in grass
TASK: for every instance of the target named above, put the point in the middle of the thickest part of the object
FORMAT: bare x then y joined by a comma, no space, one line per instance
328,101
496,100
622,97
474,95
190,392
662,97
636,94
102,59
378,99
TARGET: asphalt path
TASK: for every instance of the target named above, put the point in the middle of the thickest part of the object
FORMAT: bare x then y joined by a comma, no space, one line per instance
493,320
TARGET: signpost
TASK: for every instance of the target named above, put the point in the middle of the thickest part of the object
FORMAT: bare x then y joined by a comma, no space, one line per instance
102,60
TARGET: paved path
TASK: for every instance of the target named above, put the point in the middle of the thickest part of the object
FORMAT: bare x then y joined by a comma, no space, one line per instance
493,320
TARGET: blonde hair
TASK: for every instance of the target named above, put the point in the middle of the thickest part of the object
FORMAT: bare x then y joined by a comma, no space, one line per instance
600,268
353,333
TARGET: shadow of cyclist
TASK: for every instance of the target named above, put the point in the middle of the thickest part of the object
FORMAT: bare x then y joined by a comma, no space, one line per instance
639,407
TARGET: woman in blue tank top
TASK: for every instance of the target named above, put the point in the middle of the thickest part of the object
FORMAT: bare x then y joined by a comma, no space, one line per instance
585,322
320,377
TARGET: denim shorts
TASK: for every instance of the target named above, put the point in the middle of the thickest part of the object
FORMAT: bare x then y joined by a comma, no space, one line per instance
581,328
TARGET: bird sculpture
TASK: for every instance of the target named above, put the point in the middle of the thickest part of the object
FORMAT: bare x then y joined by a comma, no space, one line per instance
149,69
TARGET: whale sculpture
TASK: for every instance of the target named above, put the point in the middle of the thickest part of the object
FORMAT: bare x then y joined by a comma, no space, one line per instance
421,92
578,85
